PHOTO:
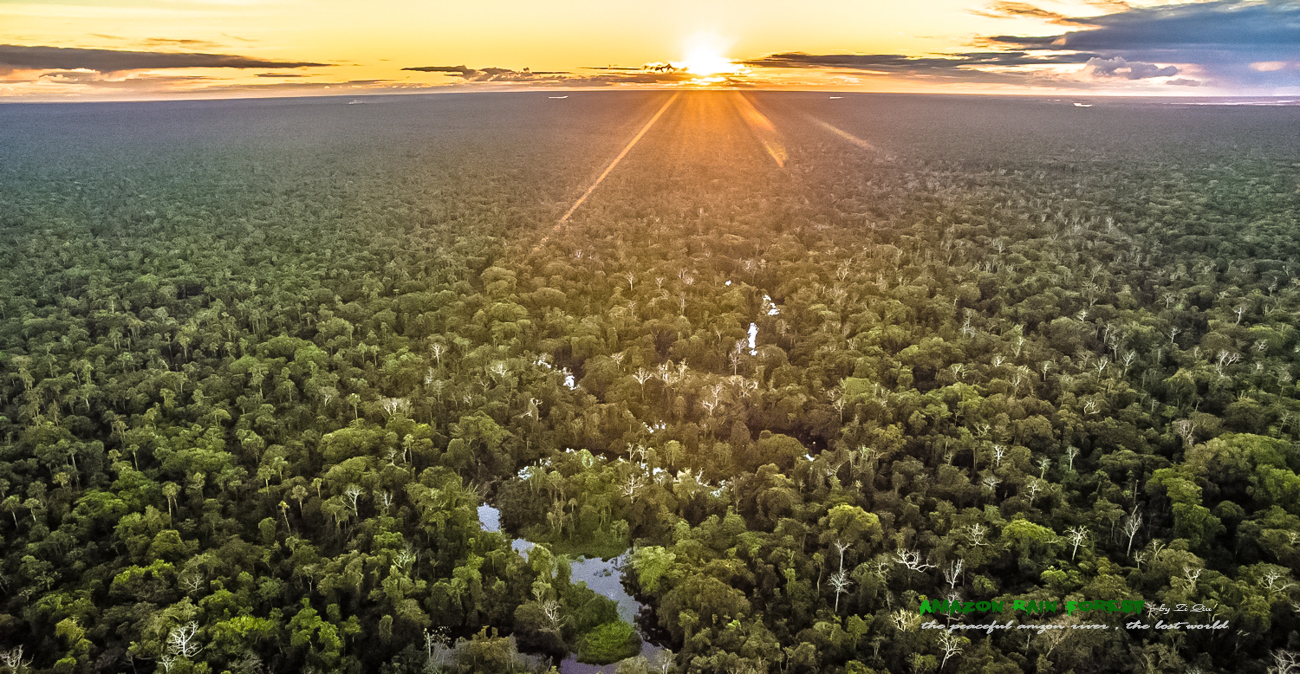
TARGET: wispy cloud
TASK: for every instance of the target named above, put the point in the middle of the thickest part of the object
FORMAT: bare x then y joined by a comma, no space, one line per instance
173,42
652,73
490,74
138,83
17,57
450,70
146,84
1018,10
896,63
985,67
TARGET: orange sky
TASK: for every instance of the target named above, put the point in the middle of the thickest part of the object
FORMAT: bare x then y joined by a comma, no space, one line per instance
115,49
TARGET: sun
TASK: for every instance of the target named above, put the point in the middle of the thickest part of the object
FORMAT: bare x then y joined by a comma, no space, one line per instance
704,58
706,63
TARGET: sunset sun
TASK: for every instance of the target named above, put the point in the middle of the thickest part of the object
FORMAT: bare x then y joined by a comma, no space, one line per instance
705,58
706,63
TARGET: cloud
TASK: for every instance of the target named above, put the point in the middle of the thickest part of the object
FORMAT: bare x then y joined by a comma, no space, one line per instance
986,67
1217,26
459,70
1130,70
651,73
1183,82
71,77
625,69
672,76
83,78
911,64
488,74
1221,38
1234,46
171,42
1017,10
16,57
138,84
321,86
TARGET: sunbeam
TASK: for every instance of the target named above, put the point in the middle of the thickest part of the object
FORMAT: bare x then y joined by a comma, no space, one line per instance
762,128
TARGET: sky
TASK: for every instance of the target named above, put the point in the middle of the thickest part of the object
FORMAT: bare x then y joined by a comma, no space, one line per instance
156,49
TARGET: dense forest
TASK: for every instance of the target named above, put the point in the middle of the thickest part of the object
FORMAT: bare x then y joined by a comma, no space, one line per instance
261,361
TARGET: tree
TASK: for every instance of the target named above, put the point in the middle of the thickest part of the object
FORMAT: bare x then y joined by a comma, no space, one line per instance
182,640
951,645
1131,526
841,582
1077,534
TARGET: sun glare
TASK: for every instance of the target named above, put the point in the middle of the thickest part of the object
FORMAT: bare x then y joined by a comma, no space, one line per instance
706,63
704,58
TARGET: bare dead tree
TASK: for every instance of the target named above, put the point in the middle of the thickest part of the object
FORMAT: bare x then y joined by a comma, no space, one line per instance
191,581
630,486
951,646
1190,576
841,582
1184,428
912,560
1225,358
953,572
13,659
1131,526
353,494
642,376
182,640
1285,662
840,547
1070,453
1274,584
1077,535
551,611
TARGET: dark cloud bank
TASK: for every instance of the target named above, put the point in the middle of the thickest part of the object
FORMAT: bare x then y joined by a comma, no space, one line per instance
16,57
1222,39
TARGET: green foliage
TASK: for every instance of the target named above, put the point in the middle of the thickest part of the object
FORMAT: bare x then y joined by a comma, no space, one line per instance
254,385
610,642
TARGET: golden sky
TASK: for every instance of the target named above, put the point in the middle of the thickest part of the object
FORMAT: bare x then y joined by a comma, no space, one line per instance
114,49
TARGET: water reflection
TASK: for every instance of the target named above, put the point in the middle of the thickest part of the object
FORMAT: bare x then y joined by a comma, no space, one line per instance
490,519
603,576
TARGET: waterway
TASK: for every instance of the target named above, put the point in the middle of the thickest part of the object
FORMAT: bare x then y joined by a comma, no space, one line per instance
603,576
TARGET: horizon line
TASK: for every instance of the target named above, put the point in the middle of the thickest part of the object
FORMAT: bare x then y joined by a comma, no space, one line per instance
1285,100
